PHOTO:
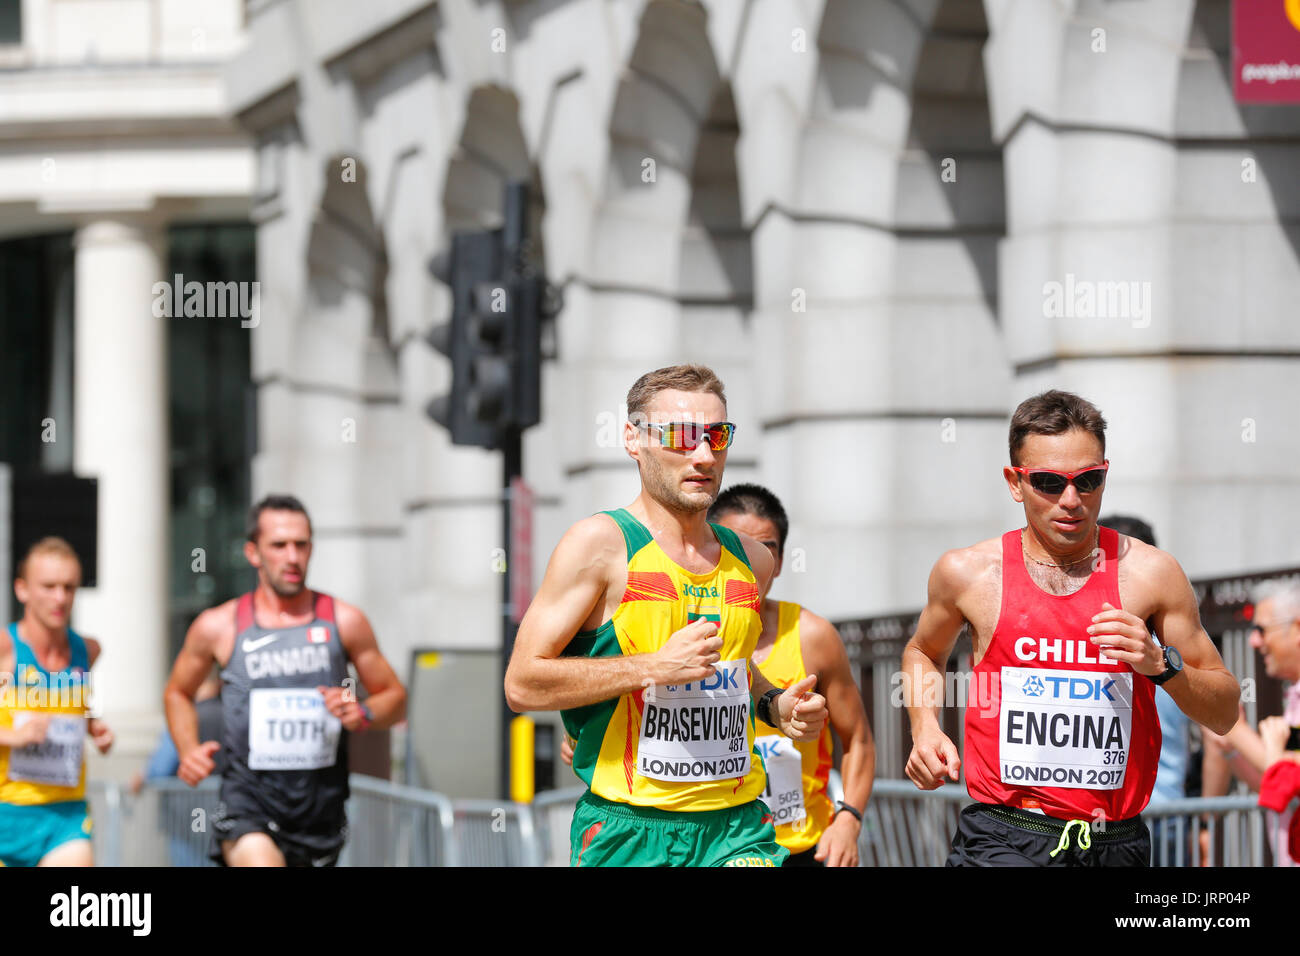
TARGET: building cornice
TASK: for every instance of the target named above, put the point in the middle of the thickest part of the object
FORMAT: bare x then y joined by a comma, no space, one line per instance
119,101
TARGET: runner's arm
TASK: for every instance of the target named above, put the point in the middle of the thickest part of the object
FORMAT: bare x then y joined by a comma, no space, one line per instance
823,650
34,730
934,756
580,569
192,665
387,696
1204,691
95,726
800,711
762,564
8,736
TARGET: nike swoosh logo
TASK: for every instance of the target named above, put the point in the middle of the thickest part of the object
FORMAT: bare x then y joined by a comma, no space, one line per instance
250,646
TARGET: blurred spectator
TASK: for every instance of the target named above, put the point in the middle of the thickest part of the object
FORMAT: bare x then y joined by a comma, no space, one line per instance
163,763
1175,734
1260,758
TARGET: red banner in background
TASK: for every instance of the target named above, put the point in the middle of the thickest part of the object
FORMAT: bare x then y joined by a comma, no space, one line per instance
1266,51
520,564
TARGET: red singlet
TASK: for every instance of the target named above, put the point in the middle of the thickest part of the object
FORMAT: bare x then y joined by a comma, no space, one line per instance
1051,725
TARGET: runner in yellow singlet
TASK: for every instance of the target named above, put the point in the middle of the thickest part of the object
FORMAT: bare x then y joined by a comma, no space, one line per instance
641,634
794,643
44,717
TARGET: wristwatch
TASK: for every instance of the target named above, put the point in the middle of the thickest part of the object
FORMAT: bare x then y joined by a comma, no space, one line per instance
1173,666
764,707
841,805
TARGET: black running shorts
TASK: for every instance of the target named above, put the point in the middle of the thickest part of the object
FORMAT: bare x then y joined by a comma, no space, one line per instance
1002,836
239,812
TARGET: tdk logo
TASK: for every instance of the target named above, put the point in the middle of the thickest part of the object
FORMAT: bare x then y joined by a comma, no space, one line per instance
1033,687
1075,688
768,747
722,680
692,590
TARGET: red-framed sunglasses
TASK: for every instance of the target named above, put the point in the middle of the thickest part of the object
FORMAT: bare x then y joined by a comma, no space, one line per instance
1048,482
687,436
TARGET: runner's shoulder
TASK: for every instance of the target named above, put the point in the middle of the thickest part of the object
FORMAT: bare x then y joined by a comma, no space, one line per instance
215,622
819,642
960,569
1141,561
1142,555
350,619
759,557
816,629
595,541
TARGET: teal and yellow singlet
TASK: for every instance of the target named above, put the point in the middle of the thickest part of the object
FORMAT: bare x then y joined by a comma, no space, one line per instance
55,770
687,747
797,771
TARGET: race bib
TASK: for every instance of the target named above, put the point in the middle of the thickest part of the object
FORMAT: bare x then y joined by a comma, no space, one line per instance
55,761
698,731
290,729
1065,728
784,792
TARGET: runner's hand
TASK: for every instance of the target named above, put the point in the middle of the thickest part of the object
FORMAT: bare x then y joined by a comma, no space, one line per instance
100,734
1122,636
33,731
344,705
689,654
198,763
933,761
839,843
802,712
566,749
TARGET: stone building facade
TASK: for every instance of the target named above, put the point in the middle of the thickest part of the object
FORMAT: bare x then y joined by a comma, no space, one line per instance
884,222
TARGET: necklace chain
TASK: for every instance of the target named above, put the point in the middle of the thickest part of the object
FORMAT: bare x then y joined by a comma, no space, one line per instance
1096,537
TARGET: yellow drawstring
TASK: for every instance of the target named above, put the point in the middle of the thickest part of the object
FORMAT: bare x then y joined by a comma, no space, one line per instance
1084,838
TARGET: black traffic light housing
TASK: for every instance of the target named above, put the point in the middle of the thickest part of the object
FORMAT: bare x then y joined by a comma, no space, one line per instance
495,333
472,269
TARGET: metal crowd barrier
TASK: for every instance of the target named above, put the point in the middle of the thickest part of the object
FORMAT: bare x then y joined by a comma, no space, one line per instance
394,825
1214,831
167,824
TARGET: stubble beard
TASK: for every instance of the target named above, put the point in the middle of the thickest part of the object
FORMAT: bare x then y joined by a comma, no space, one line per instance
660,486
284,589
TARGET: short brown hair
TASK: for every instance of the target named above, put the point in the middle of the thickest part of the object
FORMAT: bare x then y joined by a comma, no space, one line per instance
1053,413
685,378
48,545
273,503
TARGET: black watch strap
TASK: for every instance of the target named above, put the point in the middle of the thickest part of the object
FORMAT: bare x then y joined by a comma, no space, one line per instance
764,708
841,805
1173,666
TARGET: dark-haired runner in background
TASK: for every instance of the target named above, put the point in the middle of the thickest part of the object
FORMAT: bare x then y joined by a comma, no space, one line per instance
286,710
795,643
1062,738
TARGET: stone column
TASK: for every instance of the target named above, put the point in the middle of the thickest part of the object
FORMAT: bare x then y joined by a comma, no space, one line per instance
121,439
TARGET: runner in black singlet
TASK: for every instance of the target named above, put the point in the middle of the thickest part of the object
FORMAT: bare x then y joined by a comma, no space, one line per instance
287,702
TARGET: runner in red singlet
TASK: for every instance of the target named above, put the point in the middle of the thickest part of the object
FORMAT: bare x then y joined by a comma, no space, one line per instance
1062,739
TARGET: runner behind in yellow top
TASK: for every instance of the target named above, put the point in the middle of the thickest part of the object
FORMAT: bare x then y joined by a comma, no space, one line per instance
794,643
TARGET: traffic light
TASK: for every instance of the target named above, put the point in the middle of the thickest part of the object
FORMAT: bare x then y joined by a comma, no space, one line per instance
472,269
493,341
